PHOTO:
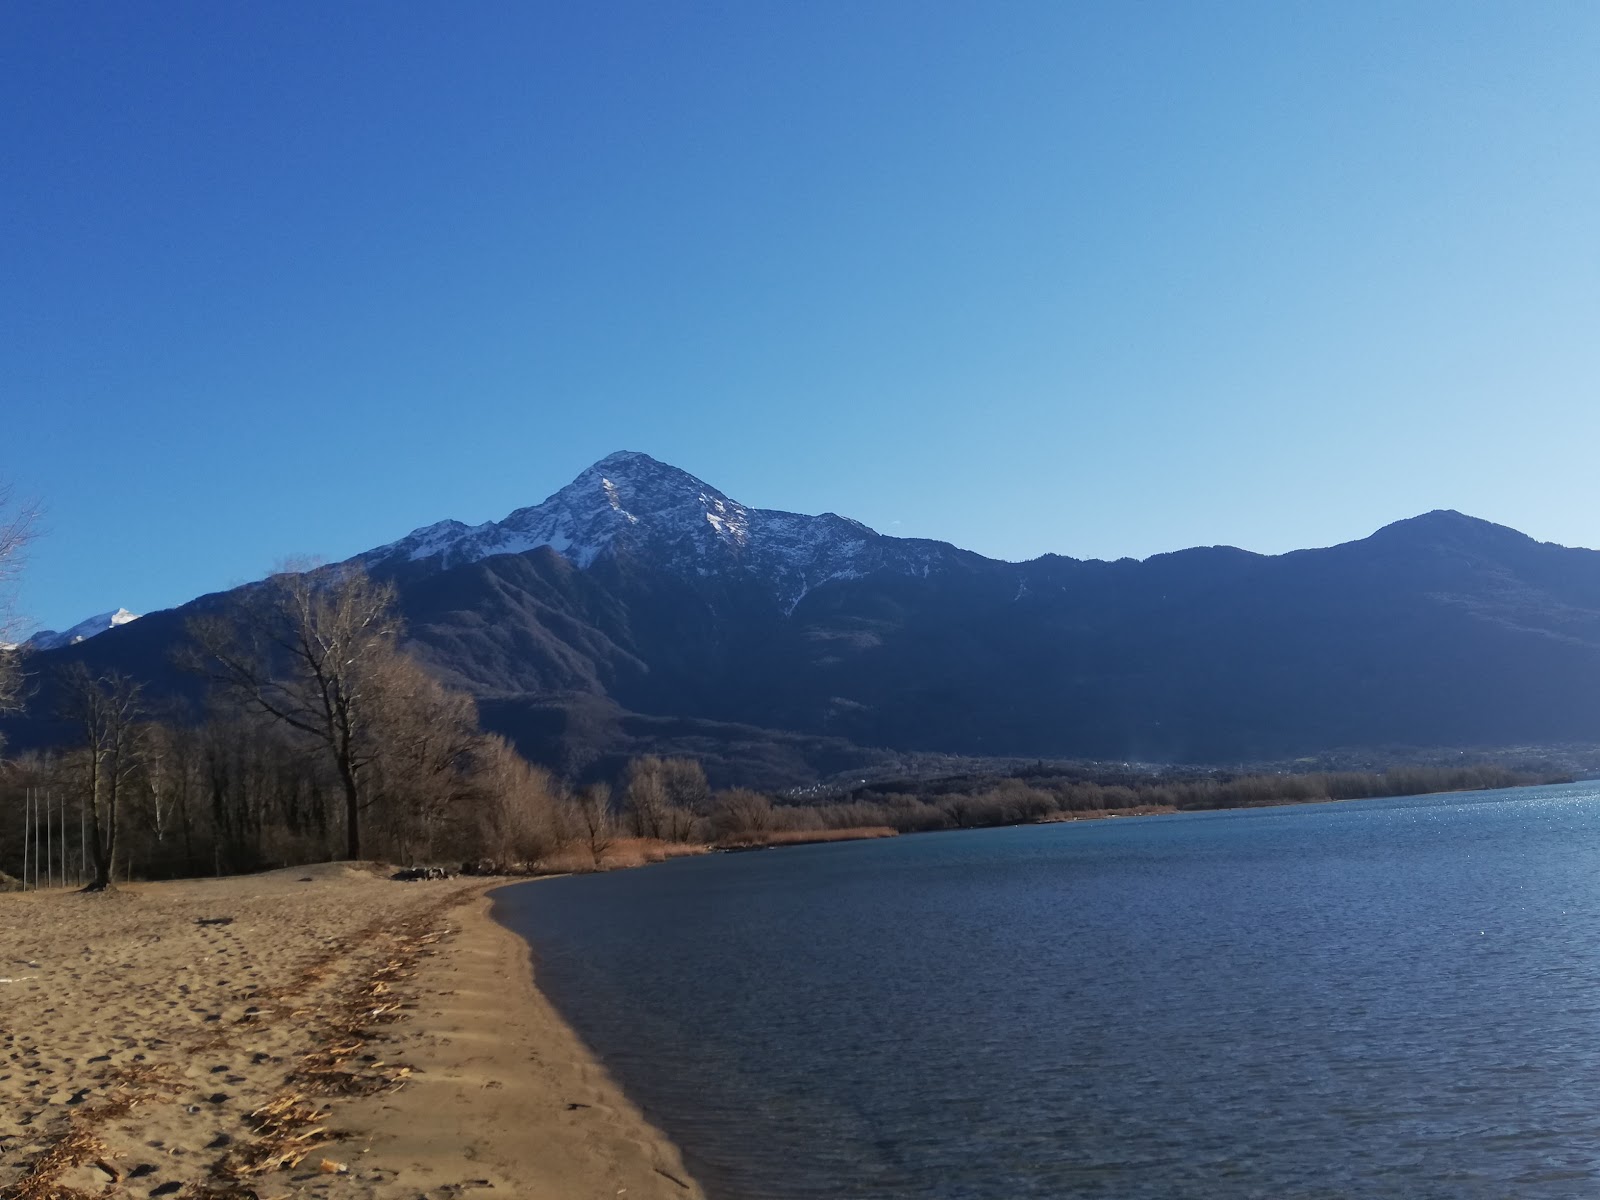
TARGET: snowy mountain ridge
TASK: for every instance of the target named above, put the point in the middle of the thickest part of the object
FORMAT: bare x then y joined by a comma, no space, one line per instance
630,504
51,639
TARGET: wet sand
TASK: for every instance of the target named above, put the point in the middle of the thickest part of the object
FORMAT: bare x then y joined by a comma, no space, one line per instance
317,1031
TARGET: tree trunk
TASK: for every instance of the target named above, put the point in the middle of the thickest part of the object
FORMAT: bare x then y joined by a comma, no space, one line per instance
352,810
185,826
97,840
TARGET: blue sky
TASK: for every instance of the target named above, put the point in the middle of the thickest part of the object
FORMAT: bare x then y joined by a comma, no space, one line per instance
1099,279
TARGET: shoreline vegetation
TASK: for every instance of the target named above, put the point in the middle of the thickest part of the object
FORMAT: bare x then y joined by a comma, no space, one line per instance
193,811
759,822
1009,802
1017,801
1048,793
319,1031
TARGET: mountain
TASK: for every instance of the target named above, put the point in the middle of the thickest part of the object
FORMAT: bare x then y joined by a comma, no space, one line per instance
629,505
640,609
50,639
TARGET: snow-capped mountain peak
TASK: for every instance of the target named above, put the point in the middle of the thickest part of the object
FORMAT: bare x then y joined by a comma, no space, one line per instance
50,639
630,502
616,495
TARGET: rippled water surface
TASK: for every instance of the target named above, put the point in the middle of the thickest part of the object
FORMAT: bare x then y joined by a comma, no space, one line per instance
1390,998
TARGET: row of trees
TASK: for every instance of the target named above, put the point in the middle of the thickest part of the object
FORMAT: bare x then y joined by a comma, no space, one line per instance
234,791
320,738
241,790
1016,801
315,727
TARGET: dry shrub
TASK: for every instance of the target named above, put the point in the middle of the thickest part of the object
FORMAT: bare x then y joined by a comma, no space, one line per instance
736,812
798,818
1092,814
804,837
666,798
621,853
522,811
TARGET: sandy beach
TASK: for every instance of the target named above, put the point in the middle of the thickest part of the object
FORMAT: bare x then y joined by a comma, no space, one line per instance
317,1031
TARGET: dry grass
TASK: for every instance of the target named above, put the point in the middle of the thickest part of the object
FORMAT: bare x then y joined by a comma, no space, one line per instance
628,852
130,1086
803,837
77,1146
287,1130
619,855
1096,814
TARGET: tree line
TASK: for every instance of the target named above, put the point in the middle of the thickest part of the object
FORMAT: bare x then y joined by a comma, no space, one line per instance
319,738
971,803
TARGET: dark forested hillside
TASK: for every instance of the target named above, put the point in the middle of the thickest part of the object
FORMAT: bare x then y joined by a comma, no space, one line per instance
782,648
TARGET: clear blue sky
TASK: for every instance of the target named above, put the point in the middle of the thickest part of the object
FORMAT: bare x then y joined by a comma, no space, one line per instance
1100,279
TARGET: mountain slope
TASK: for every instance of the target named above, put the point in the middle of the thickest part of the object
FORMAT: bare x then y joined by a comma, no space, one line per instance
629,505
50,639
640,608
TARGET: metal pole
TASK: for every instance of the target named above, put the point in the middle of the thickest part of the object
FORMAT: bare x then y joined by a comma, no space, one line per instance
49,844
27,817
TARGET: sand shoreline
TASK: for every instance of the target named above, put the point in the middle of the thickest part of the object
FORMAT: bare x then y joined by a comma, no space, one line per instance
202,1039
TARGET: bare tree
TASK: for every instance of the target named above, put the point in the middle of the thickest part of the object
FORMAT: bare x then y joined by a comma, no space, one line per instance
171,751
593,807
519,808
666,798
645,797
741,811
107,712
259,797
310,649
426,737
688,797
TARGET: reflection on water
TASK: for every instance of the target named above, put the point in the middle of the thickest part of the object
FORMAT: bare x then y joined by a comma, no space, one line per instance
1388,998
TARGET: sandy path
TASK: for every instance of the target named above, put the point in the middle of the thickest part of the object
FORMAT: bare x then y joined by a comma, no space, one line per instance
152,1040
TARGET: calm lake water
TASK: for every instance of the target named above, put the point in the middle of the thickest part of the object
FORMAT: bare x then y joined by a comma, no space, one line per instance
1388,998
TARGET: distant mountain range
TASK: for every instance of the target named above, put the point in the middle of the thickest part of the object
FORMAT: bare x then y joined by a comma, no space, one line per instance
51,639
641,609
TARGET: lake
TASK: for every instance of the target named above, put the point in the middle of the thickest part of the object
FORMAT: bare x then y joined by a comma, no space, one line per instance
1382,998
